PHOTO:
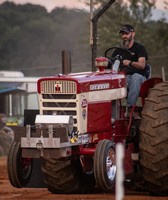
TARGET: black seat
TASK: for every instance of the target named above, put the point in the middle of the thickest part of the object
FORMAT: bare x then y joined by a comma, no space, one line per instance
147,71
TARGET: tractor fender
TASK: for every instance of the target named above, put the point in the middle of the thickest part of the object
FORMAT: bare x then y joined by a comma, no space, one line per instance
149,83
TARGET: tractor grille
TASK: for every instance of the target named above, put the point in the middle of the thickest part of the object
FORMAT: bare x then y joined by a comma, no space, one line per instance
55,87
59,98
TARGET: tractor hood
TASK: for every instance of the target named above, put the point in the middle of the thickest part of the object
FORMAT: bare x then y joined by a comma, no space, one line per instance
85,82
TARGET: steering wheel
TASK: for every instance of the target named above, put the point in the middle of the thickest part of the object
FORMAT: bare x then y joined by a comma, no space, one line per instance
109,52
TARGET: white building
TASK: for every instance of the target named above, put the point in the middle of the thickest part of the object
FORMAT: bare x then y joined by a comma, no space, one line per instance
17,93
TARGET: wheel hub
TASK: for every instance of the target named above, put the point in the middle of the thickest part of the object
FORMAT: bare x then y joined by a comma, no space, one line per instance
110,165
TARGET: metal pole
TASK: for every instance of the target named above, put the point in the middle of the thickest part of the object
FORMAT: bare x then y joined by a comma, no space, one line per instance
94,45
66,62
119,194
163,74
91,25
10,105
94,30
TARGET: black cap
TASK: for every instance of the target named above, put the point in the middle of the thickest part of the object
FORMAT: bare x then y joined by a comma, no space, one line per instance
127,28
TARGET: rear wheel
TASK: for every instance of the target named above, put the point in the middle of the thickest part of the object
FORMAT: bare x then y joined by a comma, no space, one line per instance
104,165
66,176
154,140
19,169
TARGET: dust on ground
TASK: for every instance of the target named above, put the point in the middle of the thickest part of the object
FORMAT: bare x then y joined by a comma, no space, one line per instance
9,192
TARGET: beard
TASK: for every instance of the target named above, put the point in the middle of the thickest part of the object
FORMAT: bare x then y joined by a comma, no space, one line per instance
126,41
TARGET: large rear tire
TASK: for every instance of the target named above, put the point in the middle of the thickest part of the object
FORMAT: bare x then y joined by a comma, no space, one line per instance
104,165
19,169
66,177
154,140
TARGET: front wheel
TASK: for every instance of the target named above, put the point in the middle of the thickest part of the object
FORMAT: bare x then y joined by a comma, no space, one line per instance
66,176
19,169
104,165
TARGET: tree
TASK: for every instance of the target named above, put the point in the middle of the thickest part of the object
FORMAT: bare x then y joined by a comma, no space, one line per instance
141,9
133,12
153,34
32,39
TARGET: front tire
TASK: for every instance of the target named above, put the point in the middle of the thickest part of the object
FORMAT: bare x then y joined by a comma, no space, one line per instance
104,165
66,177
19,169
154,140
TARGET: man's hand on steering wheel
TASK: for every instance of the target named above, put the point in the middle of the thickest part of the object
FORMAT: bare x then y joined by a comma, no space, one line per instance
126,63
109,53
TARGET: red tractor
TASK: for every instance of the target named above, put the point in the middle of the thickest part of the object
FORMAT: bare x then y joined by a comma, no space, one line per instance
80,121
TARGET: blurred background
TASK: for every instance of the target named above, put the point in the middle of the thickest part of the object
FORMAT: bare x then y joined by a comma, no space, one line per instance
34,33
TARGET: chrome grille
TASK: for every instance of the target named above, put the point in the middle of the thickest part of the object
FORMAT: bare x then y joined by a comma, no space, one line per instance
59,101
58,86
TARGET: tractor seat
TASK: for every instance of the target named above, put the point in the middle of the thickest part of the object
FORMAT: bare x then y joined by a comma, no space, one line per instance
148,71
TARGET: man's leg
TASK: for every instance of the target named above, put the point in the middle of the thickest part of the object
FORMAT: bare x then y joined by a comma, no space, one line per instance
134,83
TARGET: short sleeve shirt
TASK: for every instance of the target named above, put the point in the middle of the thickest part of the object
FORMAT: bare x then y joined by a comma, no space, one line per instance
137,50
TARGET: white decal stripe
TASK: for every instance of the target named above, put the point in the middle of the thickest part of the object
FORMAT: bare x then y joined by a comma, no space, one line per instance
107,95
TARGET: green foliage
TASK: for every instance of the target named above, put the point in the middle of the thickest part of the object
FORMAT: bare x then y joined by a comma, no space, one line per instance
31,39
141,9
153,34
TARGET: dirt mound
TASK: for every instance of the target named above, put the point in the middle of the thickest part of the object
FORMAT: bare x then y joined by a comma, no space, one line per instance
6,138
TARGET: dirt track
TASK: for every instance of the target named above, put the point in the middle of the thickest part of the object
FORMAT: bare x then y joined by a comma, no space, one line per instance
9,192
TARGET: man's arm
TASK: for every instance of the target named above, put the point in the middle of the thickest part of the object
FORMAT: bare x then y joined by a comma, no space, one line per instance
140,64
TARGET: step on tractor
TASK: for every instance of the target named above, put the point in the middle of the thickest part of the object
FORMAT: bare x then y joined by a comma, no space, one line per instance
81,119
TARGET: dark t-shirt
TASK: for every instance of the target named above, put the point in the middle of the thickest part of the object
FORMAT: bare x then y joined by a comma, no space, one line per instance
137,51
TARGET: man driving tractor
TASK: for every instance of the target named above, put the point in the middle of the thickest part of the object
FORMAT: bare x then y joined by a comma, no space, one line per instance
134,67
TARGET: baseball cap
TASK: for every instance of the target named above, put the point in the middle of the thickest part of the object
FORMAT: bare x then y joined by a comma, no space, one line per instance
127,28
